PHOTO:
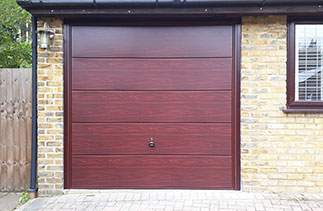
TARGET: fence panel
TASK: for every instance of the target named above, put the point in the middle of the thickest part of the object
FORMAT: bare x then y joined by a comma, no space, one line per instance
15,128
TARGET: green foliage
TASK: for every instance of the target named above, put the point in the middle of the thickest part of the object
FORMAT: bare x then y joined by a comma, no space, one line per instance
24,198
15,51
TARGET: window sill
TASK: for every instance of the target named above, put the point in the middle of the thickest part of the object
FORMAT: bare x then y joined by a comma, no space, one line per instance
303,110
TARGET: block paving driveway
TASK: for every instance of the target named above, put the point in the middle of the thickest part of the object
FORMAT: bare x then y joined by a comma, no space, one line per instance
167,200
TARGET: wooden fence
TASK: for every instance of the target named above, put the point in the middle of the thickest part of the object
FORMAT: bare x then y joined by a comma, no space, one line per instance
15,128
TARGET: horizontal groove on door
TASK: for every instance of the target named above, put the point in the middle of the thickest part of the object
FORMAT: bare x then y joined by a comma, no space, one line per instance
159,58
151,106
151,171
130,74
157,90
147,155
76,122
191,139
153,41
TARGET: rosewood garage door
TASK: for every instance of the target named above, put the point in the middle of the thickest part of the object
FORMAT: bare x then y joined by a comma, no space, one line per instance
151,107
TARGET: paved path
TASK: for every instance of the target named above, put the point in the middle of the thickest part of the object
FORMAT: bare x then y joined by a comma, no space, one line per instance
167,200
9,201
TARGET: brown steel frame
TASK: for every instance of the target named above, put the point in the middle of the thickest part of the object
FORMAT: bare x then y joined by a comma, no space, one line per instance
235,84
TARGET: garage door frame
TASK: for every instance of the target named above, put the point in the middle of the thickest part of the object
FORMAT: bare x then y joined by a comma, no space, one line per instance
235,83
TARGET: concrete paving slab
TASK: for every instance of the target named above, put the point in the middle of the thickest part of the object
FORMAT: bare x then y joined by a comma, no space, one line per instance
9,201
168,200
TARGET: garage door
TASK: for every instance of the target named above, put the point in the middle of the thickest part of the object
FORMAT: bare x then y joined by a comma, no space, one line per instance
151,107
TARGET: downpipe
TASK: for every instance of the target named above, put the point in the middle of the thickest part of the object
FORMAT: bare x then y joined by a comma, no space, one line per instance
32,191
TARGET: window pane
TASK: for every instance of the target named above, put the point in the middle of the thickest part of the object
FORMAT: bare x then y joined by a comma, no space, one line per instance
309,62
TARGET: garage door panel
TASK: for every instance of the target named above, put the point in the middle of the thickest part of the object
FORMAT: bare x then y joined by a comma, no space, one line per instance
128,85
159,106
152,172
152,41
192,138
152,74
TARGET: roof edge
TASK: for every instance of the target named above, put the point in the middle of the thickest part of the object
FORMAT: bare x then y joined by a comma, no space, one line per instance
235,7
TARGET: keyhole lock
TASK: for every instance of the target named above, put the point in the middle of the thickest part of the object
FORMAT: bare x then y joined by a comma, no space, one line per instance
151,143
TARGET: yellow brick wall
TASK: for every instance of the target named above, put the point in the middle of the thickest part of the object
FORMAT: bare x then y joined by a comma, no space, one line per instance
279,152
50,112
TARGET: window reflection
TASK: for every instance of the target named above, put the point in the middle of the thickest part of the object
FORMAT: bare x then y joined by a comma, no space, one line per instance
309,46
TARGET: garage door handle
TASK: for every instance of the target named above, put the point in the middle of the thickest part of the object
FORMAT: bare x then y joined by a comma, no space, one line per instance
151,143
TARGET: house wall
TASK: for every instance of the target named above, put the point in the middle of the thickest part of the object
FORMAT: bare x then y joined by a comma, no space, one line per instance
279,152
50,113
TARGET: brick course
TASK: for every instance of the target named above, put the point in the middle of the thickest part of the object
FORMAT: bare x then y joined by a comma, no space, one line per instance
279,152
